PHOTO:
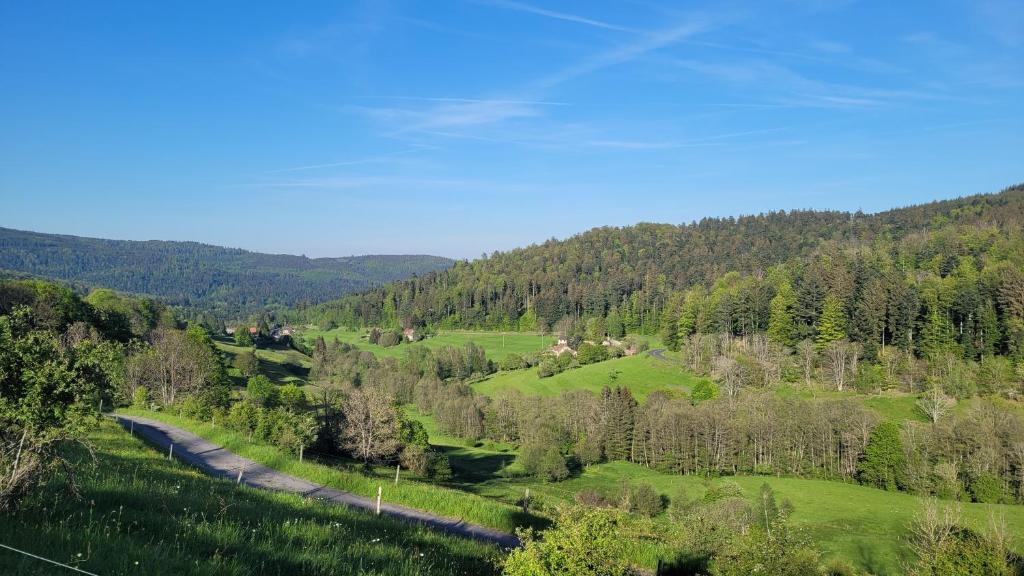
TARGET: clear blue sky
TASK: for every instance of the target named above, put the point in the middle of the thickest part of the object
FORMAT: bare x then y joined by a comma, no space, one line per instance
455,127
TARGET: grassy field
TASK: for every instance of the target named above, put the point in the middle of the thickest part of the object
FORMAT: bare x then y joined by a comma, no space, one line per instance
864,526
497,344
141,514
642,374
353,477
281,364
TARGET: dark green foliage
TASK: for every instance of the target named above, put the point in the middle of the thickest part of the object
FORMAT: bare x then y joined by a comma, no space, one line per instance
883,464
642,499
247,363
230,281
591,353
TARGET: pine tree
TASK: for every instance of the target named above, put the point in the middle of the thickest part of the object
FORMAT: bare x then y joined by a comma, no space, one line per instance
831,326
781,323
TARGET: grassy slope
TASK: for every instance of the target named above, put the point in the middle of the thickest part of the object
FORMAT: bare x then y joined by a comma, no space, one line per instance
352,477
642,374
141,514
497,344
281,364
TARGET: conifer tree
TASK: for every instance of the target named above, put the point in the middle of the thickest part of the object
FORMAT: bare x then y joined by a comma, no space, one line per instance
831,326
781,323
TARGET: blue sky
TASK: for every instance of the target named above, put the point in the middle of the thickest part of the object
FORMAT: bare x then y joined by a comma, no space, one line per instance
456,127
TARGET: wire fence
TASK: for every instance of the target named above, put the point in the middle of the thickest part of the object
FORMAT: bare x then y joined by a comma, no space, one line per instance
54,562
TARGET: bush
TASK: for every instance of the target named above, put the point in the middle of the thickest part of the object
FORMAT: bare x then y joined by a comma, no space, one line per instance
291,397
582,542
261,391
703,390
544,460
547,368
389,339
140,397
593,498
243,417
642,499
779,552
723,490
514,362
247,363
592,353
988,489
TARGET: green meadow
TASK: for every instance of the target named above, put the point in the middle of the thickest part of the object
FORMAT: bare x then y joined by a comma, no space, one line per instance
281,364
498,345
642,374
138,513
864,526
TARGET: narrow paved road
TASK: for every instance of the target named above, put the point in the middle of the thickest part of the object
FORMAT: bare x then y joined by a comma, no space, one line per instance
216,461
658,353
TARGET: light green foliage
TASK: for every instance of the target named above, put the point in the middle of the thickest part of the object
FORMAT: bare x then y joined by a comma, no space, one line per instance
831,325
140,398
884,462
987,488
703,390
260,390
777,551
583,542
291,397
781,323
49,393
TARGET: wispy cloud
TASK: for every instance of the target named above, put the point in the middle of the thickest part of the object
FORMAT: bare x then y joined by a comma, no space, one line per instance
383,158
564,16
627,52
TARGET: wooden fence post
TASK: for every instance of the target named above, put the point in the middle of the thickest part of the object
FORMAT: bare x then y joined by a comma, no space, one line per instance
380,490
240,470
170,452
398,468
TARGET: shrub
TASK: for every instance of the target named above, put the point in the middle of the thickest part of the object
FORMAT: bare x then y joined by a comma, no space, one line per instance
592,353
140,397
291,397
703,390
247,363
547,368
514,362
390,338
261,391
781,551
642,499
582,542
987,488
593,498
723,490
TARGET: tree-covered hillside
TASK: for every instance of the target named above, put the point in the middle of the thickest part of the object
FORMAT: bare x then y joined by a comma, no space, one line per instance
225,280
629,275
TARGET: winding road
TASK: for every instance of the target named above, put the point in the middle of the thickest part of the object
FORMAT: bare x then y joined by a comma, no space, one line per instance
216,461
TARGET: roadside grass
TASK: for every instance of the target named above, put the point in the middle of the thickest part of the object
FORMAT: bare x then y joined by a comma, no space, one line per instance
498,345
142,514
642,374
354,477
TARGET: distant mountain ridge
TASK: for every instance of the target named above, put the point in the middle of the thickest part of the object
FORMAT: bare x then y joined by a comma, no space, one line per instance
227,281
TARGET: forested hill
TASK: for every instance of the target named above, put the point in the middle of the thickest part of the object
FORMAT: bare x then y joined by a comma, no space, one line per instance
631,273
227,281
